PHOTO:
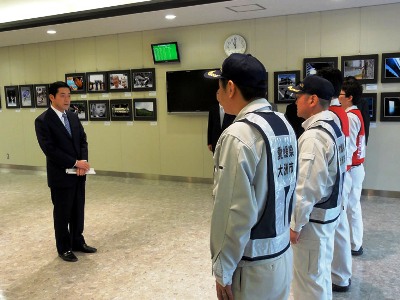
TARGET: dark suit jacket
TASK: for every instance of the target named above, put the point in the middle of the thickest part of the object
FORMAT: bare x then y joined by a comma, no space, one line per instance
293,119
364,109
61,150
214,125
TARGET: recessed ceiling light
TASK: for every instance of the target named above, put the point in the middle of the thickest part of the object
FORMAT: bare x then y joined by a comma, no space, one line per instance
170,17
51,31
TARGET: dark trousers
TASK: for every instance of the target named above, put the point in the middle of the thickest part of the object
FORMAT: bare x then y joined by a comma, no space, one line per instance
68,215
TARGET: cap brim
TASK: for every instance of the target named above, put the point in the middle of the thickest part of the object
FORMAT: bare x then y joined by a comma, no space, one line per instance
213,74
295,89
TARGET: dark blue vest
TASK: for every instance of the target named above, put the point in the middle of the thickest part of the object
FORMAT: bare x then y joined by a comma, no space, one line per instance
270,237
328,210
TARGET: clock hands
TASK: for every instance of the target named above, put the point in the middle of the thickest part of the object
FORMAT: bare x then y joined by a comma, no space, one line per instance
234,44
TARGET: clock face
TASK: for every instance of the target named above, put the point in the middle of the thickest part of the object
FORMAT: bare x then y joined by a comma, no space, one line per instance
235,44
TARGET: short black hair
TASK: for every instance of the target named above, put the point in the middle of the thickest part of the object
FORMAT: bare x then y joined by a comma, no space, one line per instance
334,76
352,87
53,88
248,93
324,103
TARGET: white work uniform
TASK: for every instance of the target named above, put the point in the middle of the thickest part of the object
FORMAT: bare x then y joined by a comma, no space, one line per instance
342,261
312,255
240,192
357,173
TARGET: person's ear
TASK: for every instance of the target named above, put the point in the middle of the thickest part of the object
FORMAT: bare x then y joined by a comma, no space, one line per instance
231,88
350,98
313,100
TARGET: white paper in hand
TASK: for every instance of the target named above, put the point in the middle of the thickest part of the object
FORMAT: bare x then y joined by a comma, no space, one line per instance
91,171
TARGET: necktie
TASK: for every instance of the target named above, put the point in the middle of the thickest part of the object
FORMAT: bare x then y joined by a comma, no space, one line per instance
66,123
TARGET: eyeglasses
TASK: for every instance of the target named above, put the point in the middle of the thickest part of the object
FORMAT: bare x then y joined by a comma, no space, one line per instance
342,94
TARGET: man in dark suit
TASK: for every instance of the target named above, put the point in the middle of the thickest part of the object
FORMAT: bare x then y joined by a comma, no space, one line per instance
215,126
63,140
364,109
293,119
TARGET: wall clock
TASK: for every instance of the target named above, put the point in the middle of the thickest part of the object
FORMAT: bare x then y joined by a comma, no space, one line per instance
235,44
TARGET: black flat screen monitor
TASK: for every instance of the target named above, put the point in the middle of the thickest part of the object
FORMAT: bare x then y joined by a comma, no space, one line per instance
165,52
189,92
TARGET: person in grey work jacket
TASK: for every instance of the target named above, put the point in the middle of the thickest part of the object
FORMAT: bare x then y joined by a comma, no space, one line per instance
342,261
255,173
322,163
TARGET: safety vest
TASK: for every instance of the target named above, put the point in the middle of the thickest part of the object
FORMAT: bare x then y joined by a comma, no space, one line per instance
344,123
270,237
344,119
359,154
328,210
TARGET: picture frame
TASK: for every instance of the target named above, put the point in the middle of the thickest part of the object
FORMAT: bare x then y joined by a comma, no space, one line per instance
390,107
96,82
363,67
76,82
390,71
312,65
41,95
99,110
121,110
145,109
80,108
12,96
371,99
143,79
119,81
282,80
26,95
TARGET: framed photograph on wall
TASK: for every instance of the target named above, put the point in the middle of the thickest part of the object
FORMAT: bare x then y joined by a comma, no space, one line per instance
145,109
12,96
121,110
41,95
282,80
76,82
119,81
362,67
143,80
80,108
390,107
26,95
371,99
96,82
312,65
99,110
390,67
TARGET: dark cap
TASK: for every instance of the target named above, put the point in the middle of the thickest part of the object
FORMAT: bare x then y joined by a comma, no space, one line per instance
314,84
242,69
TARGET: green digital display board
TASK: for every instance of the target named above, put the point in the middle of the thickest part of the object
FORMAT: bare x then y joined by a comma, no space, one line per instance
165,52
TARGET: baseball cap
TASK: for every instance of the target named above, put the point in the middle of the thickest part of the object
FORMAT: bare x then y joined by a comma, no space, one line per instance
314,84
242,69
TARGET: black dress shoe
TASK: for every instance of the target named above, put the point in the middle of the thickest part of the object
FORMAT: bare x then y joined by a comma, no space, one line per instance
68,256
85,248
358,252
341,289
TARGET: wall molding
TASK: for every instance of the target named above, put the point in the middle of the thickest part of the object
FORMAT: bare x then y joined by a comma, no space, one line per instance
380,193
7,167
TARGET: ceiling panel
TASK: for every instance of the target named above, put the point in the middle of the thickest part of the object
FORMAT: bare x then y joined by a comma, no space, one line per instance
186,16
